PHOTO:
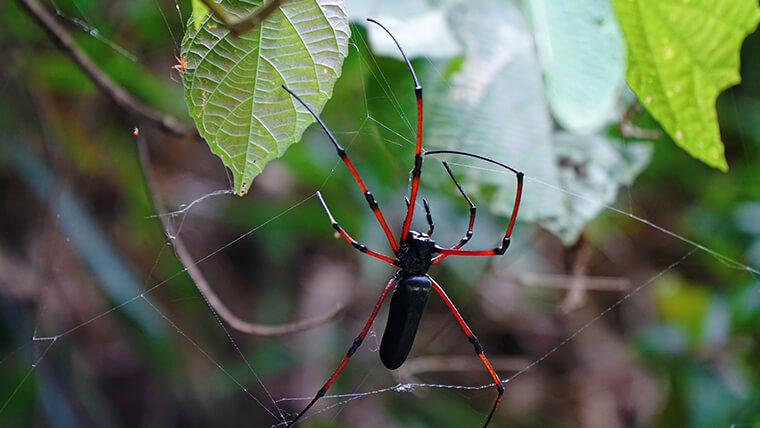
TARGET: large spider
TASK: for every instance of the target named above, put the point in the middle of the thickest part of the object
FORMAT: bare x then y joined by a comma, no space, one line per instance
414,254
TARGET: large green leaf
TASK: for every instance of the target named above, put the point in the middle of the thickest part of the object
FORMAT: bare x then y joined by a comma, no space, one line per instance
420,26
232,84
591,168
494,106
681,55
582,54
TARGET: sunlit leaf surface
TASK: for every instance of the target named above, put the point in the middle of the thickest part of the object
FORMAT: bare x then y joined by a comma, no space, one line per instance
681,55
232,84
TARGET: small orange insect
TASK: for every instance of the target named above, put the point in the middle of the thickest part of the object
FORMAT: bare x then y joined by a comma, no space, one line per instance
181,65
136,131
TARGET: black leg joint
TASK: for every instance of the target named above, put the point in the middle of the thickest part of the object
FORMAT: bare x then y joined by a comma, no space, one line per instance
418,91
500,388
417,166
371,200
341,152
360,247
321,392
354,346
520,176
504,245
476,344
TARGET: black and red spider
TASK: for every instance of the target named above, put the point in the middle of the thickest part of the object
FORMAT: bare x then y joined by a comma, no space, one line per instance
414,254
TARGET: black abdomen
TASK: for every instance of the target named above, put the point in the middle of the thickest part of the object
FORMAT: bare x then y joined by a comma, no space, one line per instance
407,304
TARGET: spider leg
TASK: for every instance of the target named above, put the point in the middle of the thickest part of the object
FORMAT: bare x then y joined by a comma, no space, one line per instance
354,346
505,241
428,216
418,148
352,241
478,348
342,153
467,234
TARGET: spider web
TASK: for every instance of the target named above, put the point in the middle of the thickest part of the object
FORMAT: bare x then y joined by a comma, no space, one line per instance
256,387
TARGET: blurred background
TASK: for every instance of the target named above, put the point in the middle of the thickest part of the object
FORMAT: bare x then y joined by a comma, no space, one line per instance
596,317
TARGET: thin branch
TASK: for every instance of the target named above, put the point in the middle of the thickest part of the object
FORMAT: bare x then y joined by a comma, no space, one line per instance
200,281
124,100
576,293
592,283
242,25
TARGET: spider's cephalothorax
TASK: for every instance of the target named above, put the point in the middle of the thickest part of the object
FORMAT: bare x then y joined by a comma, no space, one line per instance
415,253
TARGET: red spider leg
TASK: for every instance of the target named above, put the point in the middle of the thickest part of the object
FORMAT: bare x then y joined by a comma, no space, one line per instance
357,342
467,234
476,344
505,242
352,241
342,153
418,150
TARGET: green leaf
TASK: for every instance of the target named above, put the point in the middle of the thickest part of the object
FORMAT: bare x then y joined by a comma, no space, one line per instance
232,84
494,106
420,26
681,55
199,13
582,54
591,168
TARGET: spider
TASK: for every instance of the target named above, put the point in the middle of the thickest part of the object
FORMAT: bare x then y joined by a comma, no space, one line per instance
181,65
414,254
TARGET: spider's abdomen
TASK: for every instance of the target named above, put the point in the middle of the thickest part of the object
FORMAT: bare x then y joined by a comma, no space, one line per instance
407,305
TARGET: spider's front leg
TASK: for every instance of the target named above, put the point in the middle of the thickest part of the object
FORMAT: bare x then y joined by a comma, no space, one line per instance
470,225
361,247
428,216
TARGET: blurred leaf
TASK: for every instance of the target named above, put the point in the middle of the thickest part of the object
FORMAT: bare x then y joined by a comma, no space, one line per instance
232,84
581,50
591,169
681,55
683,305
420,26
199,13
494,106
114,277
663,340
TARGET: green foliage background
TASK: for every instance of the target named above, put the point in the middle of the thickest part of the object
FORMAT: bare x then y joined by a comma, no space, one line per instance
77,238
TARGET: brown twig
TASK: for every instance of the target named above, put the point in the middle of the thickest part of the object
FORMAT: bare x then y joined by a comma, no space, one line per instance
124,100
242,25
576,292
204,287
593,283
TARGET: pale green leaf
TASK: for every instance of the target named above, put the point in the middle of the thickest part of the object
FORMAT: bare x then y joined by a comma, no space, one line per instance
494,106
233,84
591,168
419,25
199,13
681,55
582,54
